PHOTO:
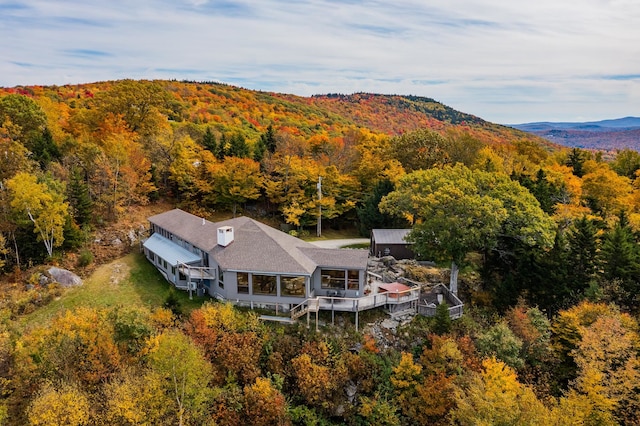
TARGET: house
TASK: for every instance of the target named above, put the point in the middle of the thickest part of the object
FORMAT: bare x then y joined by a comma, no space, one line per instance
250,263
391,242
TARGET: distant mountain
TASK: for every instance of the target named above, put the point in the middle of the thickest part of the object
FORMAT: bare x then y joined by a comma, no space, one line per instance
605,135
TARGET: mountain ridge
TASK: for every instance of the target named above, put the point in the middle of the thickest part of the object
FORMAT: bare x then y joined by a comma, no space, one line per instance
603,135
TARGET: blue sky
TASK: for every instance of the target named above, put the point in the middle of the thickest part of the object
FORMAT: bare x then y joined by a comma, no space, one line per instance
505,61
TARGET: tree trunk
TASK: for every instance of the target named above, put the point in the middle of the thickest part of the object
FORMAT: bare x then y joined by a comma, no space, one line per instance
453,280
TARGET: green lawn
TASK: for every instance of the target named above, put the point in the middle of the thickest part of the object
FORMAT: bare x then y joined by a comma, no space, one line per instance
127,281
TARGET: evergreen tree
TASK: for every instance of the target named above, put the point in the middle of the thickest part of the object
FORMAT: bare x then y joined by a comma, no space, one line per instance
222,150
576,161
209,141
268,138
370,216
582,256
553,292
621,260
81,205
238,146
44,149
259,150
442,320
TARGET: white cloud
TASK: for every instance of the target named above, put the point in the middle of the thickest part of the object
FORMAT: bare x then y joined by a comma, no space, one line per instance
503,61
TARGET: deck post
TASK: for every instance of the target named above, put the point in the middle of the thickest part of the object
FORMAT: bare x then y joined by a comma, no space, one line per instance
356,320
332,313
317,310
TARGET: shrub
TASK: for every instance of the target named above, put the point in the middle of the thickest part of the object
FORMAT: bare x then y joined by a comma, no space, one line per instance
85,258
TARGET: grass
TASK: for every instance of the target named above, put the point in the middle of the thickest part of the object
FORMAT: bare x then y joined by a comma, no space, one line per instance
128,281
332,234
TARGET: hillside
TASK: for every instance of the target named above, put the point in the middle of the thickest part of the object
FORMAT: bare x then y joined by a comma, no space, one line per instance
605,135
229,109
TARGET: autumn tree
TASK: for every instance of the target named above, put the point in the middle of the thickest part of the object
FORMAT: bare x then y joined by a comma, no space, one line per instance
457,210
230,340
63,406
500,342
626,163
237,180
185,372
43,204
137,396
496,397
604,191
264,404
141,104
420,149
609,368
22,119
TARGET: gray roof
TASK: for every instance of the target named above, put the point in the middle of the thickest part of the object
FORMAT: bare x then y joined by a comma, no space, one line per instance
257,247
390,236
339,258
196,230
169,251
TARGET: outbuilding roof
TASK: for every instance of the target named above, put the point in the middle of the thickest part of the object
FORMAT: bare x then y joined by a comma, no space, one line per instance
390,236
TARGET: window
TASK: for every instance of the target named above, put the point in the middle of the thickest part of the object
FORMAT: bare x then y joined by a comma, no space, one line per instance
220,277
333,278
173,271
164,263
264,284
292,286
353,280
243,283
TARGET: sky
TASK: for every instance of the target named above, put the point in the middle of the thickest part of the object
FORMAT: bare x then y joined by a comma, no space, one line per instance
506,61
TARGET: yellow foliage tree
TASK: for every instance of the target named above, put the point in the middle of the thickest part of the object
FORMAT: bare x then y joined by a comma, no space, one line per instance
42,204
65,406
137,398
495,397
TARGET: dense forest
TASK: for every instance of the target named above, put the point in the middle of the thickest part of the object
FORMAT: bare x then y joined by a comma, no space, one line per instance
546,241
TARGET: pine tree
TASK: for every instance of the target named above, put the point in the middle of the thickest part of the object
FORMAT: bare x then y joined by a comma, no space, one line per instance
576,161
238,146
268,138
370,216
209,141
582,256
81,205
621,259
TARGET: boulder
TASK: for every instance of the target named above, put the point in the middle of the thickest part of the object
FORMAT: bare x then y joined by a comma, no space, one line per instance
64,277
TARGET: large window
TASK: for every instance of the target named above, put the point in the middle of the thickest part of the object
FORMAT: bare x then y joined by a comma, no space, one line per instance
333,278
353,280
264,284
243,282
292,286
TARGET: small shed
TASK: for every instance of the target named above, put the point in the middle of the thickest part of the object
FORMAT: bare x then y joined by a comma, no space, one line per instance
391,242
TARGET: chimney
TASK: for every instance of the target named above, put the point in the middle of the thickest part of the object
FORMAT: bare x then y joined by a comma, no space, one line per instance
225,235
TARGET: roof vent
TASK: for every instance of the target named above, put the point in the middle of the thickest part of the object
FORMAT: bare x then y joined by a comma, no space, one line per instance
225,235
203,221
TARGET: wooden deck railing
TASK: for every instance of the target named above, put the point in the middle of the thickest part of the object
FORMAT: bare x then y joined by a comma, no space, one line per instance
455,304
354,304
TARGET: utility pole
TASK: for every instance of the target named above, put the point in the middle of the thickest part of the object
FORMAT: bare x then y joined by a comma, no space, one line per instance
319,186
